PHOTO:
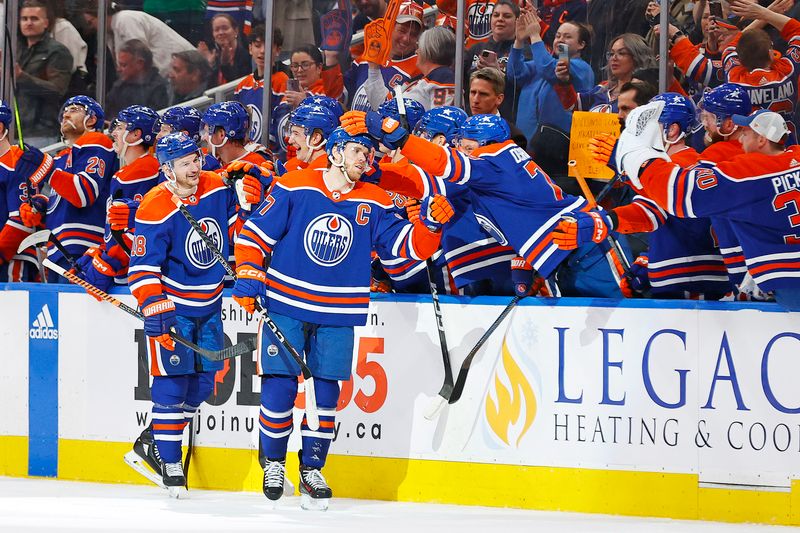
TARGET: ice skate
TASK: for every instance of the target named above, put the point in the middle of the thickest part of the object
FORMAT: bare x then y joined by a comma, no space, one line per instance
274,479
144,458
315,493
288,486
174,479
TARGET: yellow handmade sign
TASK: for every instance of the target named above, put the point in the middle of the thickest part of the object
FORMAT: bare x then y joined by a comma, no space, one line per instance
585,127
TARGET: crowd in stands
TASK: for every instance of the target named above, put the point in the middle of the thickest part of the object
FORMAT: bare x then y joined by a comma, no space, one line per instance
532,67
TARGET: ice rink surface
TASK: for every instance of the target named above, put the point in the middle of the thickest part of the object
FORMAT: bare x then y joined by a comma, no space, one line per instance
41,505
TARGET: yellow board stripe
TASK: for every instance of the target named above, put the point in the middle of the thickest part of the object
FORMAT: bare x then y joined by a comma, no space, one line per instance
552,489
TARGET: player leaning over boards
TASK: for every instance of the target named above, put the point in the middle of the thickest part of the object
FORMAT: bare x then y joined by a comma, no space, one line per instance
178,284
316,230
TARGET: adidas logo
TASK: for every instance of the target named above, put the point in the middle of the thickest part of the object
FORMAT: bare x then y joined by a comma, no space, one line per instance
793,163
43,327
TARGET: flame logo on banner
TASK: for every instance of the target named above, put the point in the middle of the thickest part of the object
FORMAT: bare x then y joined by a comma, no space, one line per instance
510,406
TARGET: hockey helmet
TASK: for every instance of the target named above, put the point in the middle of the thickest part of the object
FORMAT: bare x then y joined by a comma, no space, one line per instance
485,129
174,146
139,117
181,119
231,117
445,120
727,100
312,117
414,111
678,109
91,106
340,137
325,101
6,116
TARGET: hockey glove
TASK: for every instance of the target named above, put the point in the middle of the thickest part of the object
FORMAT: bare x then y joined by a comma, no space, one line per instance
434,211
251,284
32,214
602,147
101,271
122,214
34,166
636,280
159,319
578,228
384,129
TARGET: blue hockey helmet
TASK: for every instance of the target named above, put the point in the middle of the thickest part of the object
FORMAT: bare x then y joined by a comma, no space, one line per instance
139,117
91,106
312,117
678,109
174,146
325,101
6,116
727,100
414,111
181,119
485,129
445,120
340,137
231,117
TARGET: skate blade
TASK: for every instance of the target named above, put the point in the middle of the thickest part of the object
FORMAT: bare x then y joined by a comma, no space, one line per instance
133,460
313,504
178,493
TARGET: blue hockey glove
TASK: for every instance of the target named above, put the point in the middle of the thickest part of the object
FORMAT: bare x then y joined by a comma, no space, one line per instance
34,166
385,129
159,319
638,280
521,276
578,228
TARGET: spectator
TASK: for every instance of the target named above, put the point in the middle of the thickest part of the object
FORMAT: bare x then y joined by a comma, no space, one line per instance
555,13
486,95
294,17
43,71
503,24
368,10
367,83
65,33
186,17
188,77
435,54
240,11
308,67
479,17
545,125
633,94
228,57
627,53
250,91
163,41
138,81
609,19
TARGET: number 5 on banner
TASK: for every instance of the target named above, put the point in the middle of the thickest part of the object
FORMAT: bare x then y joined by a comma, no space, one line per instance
366,369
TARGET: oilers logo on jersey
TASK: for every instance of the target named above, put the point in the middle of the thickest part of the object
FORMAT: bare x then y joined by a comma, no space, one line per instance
490,228
255,122
328,239
479,16
196,250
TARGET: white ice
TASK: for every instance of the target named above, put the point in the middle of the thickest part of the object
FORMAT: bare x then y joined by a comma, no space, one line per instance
39,505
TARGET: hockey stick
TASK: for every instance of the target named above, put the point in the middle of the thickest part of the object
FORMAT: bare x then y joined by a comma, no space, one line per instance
214,355
587,192
189,450
312,416
43,236
607,189
464,371
447,386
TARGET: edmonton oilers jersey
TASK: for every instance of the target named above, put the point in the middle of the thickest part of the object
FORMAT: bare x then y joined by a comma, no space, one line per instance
757,194
513,199
321,244
76,211
169,256
396,72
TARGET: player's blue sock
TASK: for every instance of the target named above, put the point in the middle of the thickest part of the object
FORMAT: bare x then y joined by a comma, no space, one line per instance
168,424
316,443
277,402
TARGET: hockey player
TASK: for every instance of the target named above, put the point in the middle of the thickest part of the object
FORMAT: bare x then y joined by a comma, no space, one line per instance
224,128
186,120
16,167
133,135
76,210
178,284
316,230
683,260
755,192
513,199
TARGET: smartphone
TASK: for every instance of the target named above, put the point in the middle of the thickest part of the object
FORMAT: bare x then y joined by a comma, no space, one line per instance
489,57
563,52
293,85
715,9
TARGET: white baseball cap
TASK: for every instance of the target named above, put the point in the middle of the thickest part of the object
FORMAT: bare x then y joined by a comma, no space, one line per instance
767,123
410,11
